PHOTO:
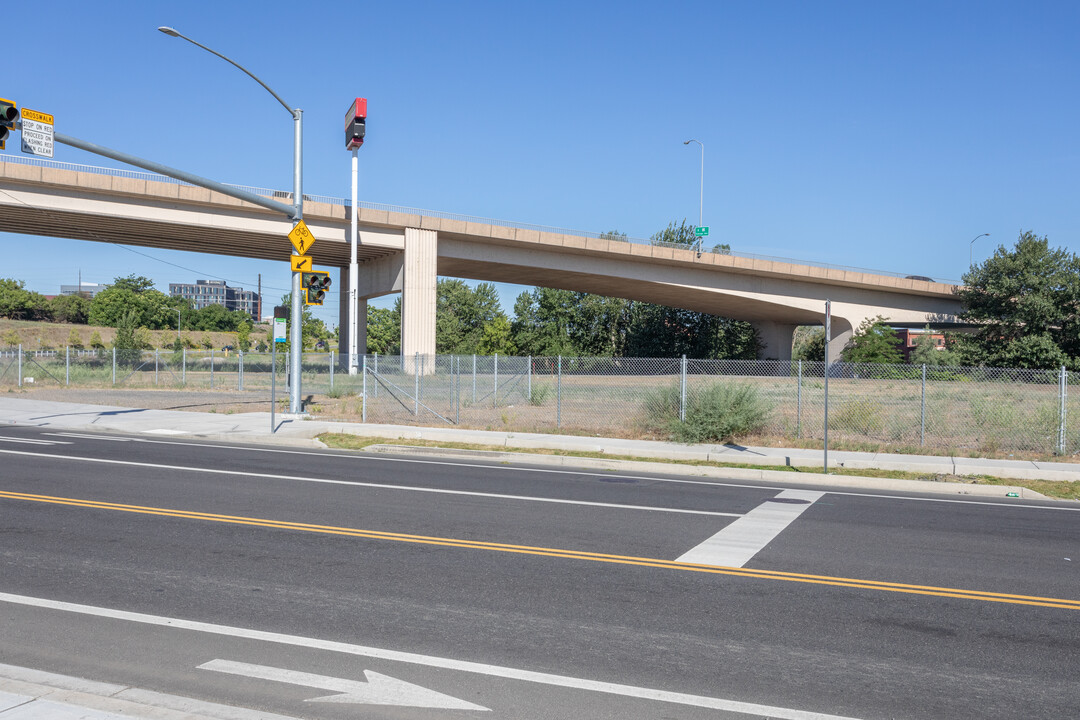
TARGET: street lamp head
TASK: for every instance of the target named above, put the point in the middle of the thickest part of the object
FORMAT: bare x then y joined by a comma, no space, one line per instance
168,31
687,142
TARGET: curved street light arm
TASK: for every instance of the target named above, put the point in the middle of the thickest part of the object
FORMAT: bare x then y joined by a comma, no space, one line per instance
174,33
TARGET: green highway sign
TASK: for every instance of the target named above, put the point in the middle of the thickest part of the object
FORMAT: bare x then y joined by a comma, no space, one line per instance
701,231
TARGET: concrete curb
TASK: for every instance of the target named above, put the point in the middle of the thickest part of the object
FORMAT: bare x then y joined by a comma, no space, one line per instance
724,473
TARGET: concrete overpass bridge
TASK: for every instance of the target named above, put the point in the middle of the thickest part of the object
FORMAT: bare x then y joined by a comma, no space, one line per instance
404,250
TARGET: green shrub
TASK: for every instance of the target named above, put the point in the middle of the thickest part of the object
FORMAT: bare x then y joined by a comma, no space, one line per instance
717,413
539,394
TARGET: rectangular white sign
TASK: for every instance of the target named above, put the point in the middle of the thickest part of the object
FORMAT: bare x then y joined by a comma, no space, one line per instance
37,133
279,330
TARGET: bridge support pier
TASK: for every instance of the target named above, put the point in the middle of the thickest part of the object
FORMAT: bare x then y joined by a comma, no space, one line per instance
842,331
776,339
418,296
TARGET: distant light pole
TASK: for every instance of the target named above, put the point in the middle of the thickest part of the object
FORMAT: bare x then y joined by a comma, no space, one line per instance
701,199
972,244
297,302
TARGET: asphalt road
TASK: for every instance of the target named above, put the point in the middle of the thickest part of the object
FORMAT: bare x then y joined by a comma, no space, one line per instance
265,578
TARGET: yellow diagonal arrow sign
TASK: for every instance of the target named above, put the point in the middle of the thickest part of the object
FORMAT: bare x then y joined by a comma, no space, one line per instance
300,263
301,238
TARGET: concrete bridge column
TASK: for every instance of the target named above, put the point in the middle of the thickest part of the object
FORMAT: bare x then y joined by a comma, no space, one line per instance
776,339
418,293
842,330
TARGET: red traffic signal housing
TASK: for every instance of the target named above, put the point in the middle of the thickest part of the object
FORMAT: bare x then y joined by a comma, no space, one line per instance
355,124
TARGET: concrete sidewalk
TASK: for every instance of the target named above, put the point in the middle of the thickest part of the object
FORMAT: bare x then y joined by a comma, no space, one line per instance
289,430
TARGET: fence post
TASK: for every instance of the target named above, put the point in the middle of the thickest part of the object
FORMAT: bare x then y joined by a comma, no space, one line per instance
529,360
922,422
240,370
374,390
682,390
183,366
558,398
114,365
416,384
455,367
363,391
20,363
155,367
474,378
798,410
67,364
1063,385
495,392
211,368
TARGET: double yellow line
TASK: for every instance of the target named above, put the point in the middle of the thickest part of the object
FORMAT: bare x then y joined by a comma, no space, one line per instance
558,553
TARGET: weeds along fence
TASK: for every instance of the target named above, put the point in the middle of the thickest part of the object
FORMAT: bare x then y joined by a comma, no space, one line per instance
954,409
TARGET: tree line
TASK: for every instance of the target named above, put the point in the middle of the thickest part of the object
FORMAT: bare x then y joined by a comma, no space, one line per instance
129,300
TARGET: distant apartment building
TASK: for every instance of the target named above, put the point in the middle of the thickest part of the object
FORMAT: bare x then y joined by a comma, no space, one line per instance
87,290
202,293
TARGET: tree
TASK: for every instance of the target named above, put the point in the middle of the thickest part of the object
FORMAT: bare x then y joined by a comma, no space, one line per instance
18,303
243,337
927,352
461,313
152,308
681,234
1025,302
874,342
73,309
809,344
660,331
384,329
541,317
496,338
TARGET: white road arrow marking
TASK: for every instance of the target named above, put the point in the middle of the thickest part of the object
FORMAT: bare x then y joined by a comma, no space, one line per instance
378,690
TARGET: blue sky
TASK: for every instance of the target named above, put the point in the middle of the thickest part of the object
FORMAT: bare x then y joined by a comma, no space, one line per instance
883,135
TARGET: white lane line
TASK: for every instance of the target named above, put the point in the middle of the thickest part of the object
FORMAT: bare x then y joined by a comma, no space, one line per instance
588,473
381,486
430,661
32,441
91,437
740,541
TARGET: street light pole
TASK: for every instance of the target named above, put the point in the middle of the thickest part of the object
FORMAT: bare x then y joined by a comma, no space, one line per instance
972,244
297,302
701,199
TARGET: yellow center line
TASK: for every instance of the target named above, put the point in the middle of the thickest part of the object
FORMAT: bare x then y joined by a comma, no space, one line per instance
559,553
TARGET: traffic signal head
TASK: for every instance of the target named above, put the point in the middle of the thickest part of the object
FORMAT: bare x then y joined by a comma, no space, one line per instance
8,115
355,124
315,284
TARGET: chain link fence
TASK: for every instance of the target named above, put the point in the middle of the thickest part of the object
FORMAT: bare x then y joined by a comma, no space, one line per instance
956,410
